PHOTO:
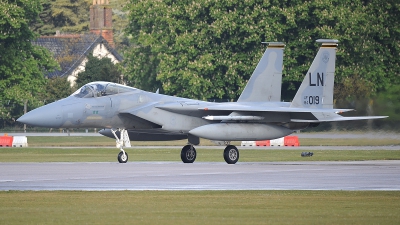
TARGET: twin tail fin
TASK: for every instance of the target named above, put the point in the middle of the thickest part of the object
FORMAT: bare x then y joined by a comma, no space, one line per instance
316,90
266,81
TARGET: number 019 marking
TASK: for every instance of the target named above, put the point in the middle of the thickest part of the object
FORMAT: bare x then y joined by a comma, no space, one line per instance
311,100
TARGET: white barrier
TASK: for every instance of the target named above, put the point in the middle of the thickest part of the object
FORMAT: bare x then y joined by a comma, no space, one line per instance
20,141
283,141
278,142
248,143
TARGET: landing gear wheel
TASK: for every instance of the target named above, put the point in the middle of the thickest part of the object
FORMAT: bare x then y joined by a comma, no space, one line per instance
122,158
231,154
188,154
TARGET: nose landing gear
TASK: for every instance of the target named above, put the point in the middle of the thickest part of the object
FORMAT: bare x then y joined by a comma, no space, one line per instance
123,141
122,157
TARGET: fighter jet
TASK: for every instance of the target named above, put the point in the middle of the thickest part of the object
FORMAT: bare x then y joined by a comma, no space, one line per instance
128,113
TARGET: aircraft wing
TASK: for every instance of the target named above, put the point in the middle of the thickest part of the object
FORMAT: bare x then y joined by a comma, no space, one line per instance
321,115
250,108
213,112
239,107
140,108
138,116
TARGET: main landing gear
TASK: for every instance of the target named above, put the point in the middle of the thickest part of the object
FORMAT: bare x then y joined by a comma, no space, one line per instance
231,154
188,154
123,141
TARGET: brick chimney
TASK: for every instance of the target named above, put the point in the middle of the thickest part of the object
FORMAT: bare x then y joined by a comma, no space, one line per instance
101,20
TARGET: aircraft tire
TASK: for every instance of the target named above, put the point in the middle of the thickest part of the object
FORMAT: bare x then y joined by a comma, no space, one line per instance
231,154
121,158
188,154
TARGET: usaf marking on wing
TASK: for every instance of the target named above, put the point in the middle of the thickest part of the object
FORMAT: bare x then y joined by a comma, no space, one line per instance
129,114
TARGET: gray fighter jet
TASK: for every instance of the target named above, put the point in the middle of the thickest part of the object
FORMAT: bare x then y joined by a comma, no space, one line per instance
128,113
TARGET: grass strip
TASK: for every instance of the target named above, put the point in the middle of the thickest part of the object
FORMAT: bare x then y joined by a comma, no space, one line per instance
200,207
37,141
347,142
203,155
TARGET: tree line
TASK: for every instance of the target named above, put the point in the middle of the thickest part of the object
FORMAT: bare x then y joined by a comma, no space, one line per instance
207,49
204,49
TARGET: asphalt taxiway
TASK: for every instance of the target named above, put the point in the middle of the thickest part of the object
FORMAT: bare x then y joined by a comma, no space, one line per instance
349,175
359,175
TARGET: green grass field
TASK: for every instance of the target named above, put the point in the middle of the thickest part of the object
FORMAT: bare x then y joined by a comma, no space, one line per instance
34,141
100,149
194,207
200,207
32,154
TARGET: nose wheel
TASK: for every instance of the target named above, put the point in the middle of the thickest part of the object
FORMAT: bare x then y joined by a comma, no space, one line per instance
122,141
122,157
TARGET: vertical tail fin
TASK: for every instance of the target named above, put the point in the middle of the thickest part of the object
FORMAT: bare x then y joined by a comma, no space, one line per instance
266,81
316,91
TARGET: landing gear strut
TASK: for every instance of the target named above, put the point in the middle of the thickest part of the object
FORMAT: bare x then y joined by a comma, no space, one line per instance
121,142
188,154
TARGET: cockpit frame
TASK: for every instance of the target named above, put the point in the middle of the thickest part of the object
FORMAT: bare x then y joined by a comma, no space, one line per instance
101,88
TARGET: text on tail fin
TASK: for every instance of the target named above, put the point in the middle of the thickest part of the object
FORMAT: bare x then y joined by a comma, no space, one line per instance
316,90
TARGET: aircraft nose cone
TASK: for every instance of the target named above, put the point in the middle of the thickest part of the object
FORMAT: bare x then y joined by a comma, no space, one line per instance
44,116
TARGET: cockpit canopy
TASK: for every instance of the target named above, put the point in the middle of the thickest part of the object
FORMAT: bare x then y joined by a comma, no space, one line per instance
101,88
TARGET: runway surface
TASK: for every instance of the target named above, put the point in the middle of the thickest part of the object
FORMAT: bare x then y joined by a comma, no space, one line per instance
359,175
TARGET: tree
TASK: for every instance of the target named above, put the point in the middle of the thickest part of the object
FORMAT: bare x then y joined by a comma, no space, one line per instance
200,49
44,26
56,89
388,103
120,22
98,70
368,32
69,16
21,63
204,49
72,16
